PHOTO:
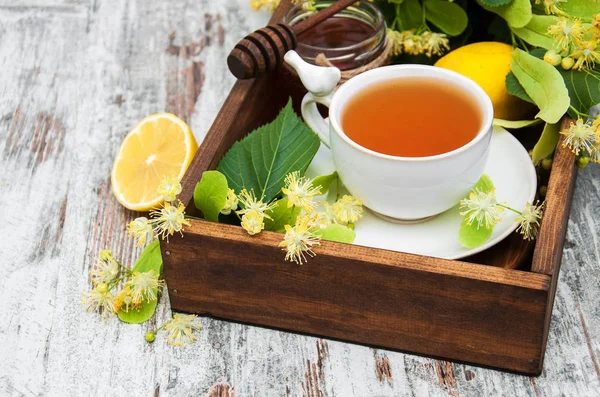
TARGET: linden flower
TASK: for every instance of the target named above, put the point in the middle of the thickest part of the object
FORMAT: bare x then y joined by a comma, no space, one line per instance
586,55
124,301
169,188
181,329
231,204
141,230
253,222
551,6
481,207
251,203
144,286
412,44
397,40
105,269
347,209
434,43
529,221
298,242
566,31
269,5
170,219
595,154
579,136
99,298
300,191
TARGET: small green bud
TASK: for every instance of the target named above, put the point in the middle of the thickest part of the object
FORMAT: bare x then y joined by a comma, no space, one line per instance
150,336
350,225
102,288
582,161
547,163
543,191
567,63
552,58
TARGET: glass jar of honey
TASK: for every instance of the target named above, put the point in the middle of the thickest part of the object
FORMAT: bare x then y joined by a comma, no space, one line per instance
351,39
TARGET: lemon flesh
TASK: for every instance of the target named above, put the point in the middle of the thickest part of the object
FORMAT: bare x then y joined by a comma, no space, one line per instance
161,145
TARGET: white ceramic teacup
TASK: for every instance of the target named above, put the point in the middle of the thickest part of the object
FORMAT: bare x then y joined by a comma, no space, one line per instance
402,188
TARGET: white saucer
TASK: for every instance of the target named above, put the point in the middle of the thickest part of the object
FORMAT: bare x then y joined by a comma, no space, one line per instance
510,168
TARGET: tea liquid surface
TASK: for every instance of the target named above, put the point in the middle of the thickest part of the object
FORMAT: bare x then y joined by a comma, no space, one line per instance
411,117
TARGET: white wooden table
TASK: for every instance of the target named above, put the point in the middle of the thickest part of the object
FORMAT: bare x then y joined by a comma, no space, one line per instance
75,76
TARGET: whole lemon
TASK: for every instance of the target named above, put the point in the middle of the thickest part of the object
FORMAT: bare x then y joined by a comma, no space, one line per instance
487,63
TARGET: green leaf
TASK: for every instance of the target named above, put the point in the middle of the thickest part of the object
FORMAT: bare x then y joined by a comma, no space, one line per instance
339,233
471,236
583,87
494,3
410,14
536,31
517,13
325,181
150,259
582,9
282,215
515,124
210,194
543,83
449,17
546,145
262,159
515,88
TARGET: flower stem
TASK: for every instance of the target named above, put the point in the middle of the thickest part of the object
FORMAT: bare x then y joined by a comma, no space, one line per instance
580,114
510,208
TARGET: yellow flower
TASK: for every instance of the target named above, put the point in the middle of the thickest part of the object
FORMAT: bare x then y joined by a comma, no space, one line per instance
253,222
124,301
181,329
99,299
434,43
566,32
300,191
251,203
231,204
269,5
141,230
412,43
298,241
105,269
169,219
586,55
481,207
144,286
551,6
529,221
596,127
579,136
397,40
169,188
347,209
595,153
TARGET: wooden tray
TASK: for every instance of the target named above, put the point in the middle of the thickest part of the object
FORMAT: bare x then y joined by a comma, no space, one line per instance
480,310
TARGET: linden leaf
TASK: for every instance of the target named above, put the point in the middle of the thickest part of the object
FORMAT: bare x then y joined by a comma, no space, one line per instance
282,215
517,13
410,14
210,194
515,124
150,259
546,145
449,17
339,233
261,160
543,83
536,31
471,236
325,181
515,88
494,3
582,9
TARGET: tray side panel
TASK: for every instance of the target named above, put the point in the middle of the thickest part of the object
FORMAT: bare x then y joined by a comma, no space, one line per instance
353,293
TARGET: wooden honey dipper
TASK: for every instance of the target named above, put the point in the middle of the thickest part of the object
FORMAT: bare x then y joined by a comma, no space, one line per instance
262,51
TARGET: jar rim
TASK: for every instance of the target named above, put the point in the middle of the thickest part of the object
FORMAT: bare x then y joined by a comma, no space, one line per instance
377,27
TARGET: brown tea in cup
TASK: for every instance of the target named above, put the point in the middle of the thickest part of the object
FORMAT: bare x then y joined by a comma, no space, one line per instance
412,117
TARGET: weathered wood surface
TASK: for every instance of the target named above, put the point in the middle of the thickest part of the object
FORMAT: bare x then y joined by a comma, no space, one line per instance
75,76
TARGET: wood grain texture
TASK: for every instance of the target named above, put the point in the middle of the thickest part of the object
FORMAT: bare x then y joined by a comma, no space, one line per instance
96,68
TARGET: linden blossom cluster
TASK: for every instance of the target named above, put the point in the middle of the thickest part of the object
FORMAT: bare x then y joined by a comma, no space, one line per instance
575,44
303,235
483,209
142,287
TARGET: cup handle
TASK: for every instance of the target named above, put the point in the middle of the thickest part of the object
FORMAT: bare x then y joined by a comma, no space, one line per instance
320,82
